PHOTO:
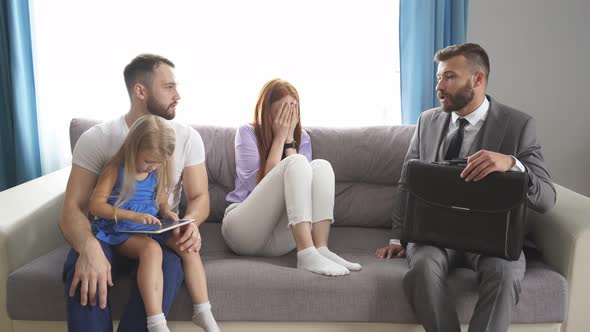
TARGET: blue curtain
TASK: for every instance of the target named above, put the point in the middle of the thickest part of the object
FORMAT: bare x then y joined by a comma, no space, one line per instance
20,158
425,26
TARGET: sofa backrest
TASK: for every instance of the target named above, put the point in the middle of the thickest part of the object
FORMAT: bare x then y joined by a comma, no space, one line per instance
367,162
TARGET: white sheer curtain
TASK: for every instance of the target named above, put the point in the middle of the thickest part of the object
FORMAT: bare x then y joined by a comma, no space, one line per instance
342,56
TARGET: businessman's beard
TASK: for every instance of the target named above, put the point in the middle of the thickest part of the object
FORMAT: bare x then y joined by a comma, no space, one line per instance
456,102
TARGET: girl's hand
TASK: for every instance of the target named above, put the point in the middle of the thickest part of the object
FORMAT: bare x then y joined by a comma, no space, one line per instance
168,214
281,122
293,123
145,218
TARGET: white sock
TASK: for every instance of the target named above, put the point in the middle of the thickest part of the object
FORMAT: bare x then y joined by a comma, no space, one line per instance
324,251
311,260
203,317
157,323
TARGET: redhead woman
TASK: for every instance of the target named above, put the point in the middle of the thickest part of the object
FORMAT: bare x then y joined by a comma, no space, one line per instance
283,200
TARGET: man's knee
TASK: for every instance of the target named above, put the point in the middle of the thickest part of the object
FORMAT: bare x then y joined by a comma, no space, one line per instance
425,277
428,262
500,276
426,273
428,270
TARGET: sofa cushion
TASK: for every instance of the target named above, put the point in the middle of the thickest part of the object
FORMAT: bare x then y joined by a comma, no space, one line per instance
272,289
372,155
367,163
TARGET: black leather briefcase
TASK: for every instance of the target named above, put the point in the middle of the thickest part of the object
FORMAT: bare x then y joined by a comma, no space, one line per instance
486,217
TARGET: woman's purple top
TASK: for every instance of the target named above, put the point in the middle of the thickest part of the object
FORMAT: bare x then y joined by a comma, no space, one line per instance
248,161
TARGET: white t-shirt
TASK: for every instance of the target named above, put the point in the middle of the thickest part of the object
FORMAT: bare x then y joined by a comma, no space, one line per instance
98,145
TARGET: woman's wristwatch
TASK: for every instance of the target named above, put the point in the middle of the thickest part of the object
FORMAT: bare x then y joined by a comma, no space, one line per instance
292,145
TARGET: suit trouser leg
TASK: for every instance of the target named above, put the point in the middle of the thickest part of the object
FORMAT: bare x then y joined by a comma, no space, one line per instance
499,289
426,288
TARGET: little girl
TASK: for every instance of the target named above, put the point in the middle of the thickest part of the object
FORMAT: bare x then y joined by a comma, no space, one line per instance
133,188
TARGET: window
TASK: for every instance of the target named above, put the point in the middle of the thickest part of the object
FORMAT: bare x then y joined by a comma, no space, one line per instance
342,56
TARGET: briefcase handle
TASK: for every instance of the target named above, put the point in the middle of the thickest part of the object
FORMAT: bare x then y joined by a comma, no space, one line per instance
453,162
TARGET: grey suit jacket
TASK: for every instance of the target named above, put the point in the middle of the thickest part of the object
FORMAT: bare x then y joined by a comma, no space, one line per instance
505,130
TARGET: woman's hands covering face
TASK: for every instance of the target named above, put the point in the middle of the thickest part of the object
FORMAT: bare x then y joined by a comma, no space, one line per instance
285,120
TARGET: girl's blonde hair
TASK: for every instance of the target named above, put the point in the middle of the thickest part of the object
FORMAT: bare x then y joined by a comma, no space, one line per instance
152,134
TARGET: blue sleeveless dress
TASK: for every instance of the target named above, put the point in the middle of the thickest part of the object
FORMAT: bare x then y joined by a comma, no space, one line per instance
143,200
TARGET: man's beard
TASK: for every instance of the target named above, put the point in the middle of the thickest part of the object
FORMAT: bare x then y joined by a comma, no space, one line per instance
167,112
459,100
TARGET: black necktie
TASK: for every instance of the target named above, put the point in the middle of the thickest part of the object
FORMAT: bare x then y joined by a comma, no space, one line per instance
456,141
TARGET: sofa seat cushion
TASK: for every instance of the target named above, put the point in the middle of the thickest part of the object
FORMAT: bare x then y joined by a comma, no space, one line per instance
272,289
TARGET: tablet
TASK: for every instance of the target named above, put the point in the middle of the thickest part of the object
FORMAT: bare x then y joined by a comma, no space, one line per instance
167,225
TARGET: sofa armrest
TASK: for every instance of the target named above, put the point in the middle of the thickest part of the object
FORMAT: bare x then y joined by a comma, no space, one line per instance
563,237
29,226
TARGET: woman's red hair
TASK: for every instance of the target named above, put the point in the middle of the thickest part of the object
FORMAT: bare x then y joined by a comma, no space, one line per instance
274,90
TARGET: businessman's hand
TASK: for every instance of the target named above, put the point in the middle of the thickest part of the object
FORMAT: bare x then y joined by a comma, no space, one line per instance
392,250
484,162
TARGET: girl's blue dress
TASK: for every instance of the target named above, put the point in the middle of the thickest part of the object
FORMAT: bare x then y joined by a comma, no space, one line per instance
143,200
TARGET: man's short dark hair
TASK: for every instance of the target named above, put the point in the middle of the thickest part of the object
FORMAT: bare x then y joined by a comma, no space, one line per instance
476,56
141,69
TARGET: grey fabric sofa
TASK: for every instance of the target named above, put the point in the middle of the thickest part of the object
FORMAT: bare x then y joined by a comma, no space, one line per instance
265,294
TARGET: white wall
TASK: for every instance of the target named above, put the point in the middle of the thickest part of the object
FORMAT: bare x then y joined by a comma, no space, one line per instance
540,63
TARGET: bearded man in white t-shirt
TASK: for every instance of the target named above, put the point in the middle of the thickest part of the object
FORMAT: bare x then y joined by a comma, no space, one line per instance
91,264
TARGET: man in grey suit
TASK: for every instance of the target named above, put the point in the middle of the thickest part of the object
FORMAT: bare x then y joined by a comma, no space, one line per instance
494,138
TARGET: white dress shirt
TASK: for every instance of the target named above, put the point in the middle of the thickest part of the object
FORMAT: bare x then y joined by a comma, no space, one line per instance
476,120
